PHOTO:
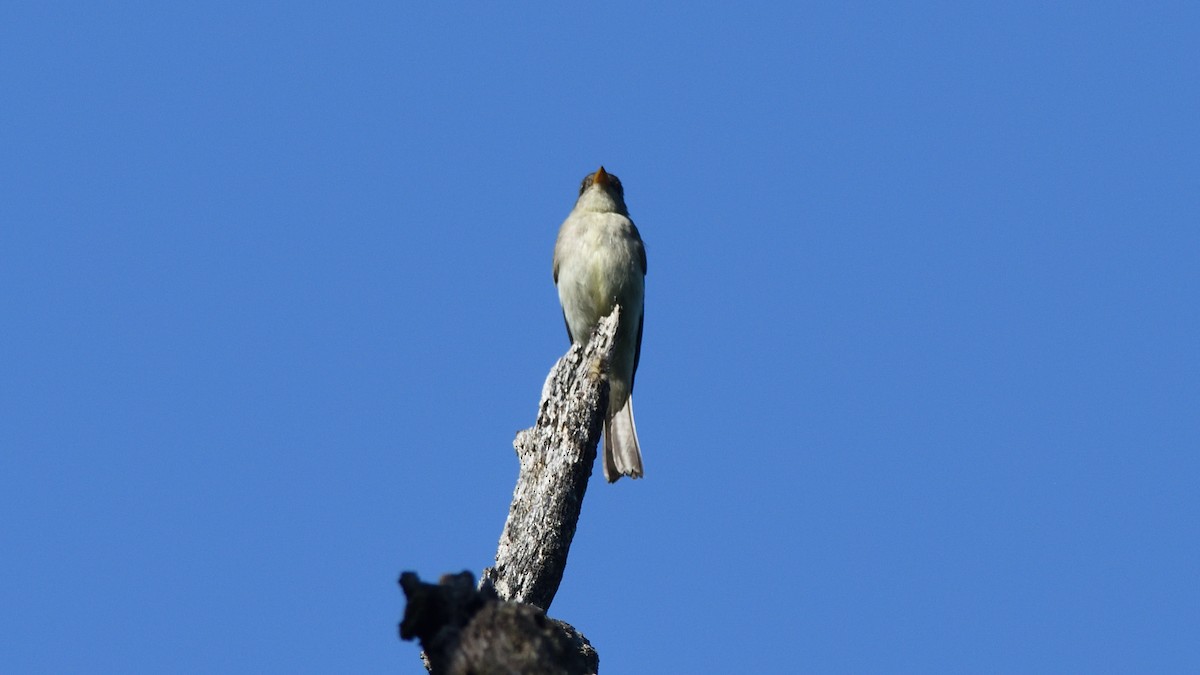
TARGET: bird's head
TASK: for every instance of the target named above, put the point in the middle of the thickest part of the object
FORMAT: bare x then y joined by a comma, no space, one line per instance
601,191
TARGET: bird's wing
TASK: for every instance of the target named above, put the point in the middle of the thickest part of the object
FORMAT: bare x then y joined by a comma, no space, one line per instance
641,247
641,250
637,352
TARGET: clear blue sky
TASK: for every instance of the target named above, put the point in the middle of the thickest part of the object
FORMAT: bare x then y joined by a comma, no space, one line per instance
920,383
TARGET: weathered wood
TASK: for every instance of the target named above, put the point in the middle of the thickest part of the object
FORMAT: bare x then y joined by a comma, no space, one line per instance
501,627
556,458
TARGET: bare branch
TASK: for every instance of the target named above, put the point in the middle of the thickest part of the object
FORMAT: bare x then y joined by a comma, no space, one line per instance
502,627
556,461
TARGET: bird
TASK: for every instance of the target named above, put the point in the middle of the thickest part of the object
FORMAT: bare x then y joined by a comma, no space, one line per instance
600,262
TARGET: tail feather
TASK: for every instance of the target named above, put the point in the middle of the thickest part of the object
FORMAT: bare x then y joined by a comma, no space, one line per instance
622,452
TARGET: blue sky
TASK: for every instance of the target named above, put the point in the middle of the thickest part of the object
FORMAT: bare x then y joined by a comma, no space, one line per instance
918,390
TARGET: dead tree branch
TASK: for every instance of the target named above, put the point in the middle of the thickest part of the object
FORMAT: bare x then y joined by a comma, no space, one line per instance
556,461
502,627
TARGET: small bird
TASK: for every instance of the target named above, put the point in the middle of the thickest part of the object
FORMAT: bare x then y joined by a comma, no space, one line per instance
600,262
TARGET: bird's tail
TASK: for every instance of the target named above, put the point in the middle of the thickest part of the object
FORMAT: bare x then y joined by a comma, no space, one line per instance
622,453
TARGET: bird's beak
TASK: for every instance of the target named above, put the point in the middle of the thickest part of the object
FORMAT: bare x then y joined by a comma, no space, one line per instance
601,177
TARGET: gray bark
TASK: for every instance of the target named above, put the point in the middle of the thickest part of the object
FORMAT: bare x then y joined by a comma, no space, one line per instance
556,461
501,627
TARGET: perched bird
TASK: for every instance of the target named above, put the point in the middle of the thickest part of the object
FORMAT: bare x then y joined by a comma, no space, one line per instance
600,262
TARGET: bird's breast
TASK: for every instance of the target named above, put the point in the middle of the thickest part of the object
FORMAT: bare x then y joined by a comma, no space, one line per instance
597,268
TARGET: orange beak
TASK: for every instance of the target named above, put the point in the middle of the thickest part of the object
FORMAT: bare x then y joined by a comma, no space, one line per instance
601,177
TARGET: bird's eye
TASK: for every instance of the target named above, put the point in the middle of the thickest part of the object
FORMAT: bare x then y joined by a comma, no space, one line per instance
587,182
